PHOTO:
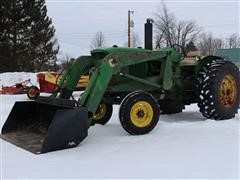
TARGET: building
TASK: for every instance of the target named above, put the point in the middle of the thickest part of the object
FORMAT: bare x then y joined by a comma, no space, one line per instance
230,54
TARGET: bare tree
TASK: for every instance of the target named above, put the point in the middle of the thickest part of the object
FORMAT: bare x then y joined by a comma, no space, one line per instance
170,31
65,61
98,40
233,41
135,40
191,47
208,44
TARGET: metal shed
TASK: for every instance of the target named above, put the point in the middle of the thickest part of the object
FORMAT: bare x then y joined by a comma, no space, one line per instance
230,54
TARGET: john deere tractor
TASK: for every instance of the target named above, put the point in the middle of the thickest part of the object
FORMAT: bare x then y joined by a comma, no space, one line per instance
144,82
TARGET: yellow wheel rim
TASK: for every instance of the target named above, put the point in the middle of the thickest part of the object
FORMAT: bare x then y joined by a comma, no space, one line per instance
141,114
101,111
228,91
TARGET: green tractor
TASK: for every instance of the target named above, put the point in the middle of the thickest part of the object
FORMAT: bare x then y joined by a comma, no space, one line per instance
145,83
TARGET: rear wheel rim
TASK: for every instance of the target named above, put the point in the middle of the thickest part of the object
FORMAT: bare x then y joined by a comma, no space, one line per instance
141,114
228,91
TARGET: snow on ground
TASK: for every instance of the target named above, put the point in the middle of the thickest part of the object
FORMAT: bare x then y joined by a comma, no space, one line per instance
184,145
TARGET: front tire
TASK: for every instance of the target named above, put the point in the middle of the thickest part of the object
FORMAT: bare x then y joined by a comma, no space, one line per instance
139,113
218,90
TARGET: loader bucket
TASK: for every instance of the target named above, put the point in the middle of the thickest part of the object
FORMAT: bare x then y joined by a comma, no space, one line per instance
41,127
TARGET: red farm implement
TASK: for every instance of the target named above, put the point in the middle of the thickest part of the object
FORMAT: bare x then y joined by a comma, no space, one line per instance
48,81
22,88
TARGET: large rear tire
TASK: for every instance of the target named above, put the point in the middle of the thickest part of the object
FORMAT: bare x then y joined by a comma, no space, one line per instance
218,89
139,113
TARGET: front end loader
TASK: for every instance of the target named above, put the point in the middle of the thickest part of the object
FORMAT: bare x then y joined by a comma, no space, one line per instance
59,121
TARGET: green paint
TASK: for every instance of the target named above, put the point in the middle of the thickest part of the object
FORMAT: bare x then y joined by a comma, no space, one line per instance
122,70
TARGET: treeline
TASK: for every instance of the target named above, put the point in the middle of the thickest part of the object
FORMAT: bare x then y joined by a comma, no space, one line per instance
28,42
170,31
27,36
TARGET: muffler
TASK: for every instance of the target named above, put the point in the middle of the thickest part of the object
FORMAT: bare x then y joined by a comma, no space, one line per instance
44,126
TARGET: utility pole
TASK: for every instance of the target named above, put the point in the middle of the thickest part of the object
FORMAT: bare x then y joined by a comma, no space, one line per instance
129,27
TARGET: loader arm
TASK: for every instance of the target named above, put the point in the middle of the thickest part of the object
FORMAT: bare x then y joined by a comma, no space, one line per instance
113,64
72,75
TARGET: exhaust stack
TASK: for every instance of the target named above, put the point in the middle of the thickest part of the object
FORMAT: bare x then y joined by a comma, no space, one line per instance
148,34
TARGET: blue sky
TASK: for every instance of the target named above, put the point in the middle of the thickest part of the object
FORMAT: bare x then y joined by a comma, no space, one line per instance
77,21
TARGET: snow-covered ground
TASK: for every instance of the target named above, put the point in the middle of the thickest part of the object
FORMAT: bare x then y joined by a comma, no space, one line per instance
9,79
184,145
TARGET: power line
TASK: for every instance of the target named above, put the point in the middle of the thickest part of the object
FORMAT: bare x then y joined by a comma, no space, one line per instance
115,34
143,1
219,25
72,44
87,34
90,38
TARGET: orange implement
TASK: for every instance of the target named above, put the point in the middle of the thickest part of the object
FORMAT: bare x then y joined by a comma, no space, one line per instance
18,88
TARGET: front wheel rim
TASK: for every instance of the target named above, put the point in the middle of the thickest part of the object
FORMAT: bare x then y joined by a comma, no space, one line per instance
101,111
141,114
